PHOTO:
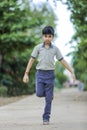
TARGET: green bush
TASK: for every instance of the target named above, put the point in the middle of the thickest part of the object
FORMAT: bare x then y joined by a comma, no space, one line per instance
3,91
12,76
85,88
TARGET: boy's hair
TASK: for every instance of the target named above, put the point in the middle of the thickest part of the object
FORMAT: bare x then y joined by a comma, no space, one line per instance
48,30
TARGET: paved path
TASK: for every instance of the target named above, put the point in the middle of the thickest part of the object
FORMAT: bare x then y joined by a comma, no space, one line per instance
69,112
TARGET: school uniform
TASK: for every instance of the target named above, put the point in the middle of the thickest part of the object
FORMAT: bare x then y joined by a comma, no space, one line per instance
45,74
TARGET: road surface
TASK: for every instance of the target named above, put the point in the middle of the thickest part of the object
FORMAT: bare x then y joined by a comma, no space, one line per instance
69,112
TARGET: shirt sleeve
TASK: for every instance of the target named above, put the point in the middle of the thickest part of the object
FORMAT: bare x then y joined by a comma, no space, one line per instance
59,55
35,52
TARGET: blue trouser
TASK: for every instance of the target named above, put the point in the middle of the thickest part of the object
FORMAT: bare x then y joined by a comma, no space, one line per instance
44,88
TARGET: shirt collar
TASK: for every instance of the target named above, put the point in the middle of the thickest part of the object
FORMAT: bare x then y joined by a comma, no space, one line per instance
51,46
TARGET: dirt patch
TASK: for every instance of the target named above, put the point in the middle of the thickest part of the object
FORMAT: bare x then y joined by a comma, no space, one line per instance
8,100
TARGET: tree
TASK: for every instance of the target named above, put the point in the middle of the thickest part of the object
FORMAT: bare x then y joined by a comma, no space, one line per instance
79,20
20,29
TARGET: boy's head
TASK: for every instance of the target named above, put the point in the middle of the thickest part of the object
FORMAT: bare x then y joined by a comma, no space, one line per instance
48,30
48,34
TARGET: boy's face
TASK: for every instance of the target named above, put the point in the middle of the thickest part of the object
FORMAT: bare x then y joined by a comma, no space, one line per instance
48,38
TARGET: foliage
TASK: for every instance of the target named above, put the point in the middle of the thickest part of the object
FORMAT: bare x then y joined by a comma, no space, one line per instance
79,20
78,17
60,76
3,90
85,87
18,26
12,77
20,31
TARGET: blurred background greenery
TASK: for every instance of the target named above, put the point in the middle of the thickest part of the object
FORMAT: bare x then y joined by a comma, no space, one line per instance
21,23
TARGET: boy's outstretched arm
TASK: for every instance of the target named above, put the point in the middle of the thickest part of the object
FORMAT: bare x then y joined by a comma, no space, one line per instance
66,65
26,78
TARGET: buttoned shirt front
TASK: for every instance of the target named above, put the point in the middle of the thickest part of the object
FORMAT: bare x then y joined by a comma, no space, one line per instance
46,56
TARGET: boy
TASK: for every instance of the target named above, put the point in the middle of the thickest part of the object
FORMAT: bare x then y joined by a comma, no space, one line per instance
45,69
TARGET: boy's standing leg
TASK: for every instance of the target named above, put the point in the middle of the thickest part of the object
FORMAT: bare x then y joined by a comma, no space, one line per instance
44,88
48,102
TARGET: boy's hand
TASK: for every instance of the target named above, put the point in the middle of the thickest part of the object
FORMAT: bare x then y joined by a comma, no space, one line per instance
73,77
26,78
